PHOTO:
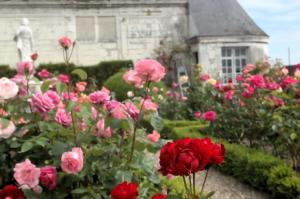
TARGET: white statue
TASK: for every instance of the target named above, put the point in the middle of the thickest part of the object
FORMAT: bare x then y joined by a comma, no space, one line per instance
24,40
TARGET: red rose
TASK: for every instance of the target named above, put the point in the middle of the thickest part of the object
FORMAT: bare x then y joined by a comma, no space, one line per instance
159,196
11,192
34,56
48,177
186,156
210,116
218,152
125,190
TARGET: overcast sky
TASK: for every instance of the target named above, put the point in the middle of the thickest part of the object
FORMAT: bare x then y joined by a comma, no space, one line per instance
280,19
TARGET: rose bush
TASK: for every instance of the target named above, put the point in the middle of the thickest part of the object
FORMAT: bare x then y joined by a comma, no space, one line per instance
260,110
58,140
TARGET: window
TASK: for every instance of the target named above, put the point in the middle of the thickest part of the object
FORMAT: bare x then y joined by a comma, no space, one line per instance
234,59
85,28
107,29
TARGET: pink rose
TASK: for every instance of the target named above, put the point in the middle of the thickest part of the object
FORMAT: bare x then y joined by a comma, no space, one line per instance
8,89
132,110
70,96
116,109
25,68
149,105
229,95
249,68
62,117
72,162
64,78
197,115
155,89
80,86
131,77
53,96
288,81
42,103
101,131
48,177
174,85
27,174
248,92
210,116
6,132
94,113
239,78
204,77
65,42
153,137
257,81
44,74
272,86
100,97
150,70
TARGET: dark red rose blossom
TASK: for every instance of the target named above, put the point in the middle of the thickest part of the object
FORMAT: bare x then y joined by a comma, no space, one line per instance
186,156
159,196
125,190
11,192
34,56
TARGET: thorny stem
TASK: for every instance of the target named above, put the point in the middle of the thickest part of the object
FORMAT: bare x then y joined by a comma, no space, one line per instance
185,186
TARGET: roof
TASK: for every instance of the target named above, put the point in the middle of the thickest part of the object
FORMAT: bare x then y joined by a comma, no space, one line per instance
221,18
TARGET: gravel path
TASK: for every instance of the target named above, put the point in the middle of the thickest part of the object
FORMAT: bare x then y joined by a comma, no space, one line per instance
227,187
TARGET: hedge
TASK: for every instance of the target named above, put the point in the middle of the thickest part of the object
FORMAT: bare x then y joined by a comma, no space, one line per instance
256,168
98,73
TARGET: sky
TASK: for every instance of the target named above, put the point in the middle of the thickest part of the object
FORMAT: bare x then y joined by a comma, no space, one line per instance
280,19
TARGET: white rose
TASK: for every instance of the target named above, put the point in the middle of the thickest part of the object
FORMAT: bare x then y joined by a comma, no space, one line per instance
8,88
8,131
130,94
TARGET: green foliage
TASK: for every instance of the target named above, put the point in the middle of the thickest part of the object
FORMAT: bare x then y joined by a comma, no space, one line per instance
6,71
117,85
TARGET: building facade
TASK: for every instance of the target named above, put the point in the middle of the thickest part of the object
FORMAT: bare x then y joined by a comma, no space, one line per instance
222,37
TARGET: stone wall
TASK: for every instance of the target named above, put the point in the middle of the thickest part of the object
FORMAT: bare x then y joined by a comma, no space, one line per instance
108,31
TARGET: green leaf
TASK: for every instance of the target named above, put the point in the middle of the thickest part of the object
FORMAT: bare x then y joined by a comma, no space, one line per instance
58,148
293,136
26,146
4,123
45,86
60,87
122,176
157,122
81,73
80,191
42,141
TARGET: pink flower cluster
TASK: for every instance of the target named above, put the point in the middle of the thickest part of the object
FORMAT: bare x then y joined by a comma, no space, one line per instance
45,102
146,70
208,116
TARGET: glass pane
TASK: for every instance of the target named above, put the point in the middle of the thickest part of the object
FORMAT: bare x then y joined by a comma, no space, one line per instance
85,28
228,52
237,62
107,28
238,70
224,62
243,62
223,52
229,70
237,52
229,63
224,70
243,51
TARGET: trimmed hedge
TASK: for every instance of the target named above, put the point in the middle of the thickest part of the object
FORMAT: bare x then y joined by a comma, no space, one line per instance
98,73
6,71
256,168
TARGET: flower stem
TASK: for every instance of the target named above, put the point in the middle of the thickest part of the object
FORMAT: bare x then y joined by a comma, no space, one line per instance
185,186
137,123
205,178
194,183
190,181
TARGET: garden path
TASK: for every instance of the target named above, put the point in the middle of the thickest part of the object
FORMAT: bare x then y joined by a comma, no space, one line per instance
227,187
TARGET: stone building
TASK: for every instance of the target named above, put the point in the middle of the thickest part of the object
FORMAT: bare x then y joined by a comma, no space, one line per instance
221,35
